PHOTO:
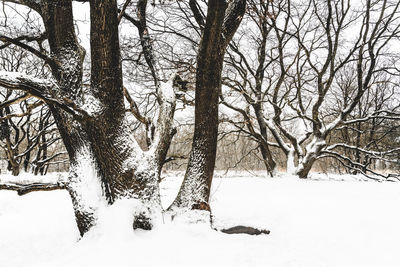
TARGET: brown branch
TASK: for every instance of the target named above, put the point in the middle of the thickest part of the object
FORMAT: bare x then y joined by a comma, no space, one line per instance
122,12
39,88
174,157
14,101
28,111
35,5
145,39
28,38
17,42
198,16
233,17
134,108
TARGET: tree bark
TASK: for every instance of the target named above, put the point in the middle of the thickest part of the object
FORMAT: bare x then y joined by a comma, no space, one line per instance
106,163
221,24
304,168
103,156
269,161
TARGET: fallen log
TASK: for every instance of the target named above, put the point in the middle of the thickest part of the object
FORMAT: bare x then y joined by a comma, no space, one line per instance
23,189
240,229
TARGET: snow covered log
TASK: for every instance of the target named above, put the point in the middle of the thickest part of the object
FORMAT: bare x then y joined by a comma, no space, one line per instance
23,189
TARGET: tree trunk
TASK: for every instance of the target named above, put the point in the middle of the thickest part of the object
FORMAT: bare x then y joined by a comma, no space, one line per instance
15,170
290,164
106,163
195,190
221,24
269,162
304,168
313,150
103,159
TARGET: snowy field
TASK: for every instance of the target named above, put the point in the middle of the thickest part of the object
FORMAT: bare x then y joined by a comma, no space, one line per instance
320,222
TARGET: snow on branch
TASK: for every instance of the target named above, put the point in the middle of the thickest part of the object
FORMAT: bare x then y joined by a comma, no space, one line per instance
358,167
19,81
39,88
382,114
378,154
164,127
233,17
14,101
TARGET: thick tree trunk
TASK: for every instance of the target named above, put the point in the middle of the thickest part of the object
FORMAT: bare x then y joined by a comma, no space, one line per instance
304,168
313,150
105,163
269,162
221,24
195,190
15,170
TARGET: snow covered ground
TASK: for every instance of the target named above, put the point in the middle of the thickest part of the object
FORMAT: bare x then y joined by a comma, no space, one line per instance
319,222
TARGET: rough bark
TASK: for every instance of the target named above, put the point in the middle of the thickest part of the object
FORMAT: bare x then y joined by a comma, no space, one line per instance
106,164
165,128
304,169
221,24
265,150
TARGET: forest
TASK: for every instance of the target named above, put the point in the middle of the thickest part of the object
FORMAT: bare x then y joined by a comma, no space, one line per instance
150,120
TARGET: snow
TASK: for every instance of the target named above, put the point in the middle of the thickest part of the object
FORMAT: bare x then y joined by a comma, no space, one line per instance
85,182
92,105
15,78
317,222
27,178
290,165
166,90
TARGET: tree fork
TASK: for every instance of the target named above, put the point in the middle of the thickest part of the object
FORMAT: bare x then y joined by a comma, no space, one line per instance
221,23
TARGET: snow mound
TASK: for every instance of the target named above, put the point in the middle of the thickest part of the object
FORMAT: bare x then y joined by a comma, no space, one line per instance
313,223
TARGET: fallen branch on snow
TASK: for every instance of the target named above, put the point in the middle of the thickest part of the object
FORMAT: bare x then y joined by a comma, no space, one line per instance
23,189
240,229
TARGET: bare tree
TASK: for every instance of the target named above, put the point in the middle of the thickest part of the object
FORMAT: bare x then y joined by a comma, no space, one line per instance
367,139
308,49
106,162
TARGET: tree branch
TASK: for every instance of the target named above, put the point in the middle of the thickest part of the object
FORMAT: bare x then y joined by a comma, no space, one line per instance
233,16
40,88
17,42
198,16
23,189
33,4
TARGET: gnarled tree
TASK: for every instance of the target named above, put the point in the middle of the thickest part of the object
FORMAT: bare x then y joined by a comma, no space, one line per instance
302,50
106,162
